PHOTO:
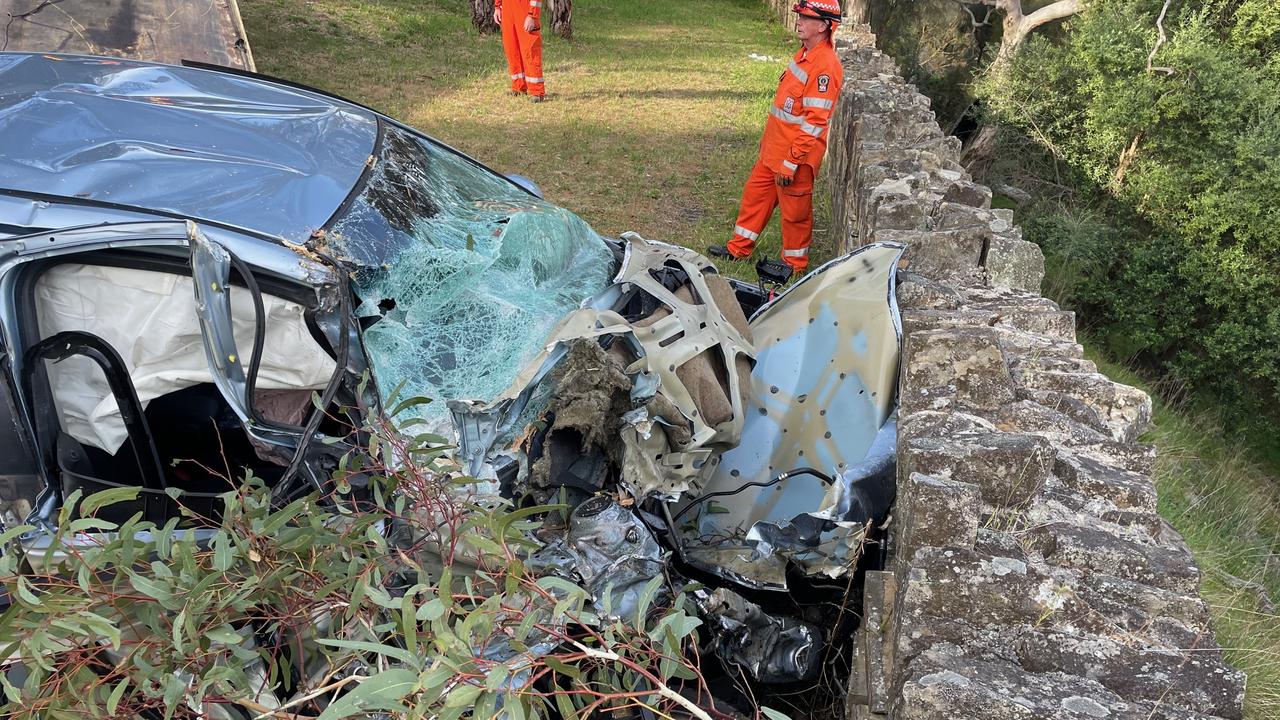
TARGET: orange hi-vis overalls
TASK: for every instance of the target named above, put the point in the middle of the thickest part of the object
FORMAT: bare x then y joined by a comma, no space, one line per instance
794,142
523,48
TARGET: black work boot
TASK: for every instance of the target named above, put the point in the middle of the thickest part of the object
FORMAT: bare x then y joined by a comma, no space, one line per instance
721,251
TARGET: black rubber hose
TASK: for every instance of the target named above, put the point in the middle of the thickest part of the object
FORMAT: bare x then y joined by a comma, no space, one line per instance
788,474
259,334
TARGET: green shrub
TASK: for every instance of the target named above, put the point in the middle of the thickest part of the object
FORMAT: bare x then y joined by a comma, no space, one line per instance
404,595
1177,259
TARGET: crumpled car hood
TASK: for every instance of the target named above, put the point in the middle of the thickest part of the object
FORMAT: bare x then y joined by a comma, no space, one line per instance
767,444
196,143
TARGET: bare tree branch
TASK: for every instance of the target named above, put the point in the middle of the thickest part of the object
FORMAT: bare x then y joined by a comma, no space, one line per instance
23,16
974,18
1126,159
1159,41
1049,13
1017,25
1264,600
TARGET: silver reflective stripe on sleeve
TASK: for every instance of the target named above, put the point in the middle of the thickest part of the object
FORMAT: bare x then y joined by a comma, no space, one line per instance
785,116
535,3
534,80
517,76
801,75
802,252
818,103
739,230
790,165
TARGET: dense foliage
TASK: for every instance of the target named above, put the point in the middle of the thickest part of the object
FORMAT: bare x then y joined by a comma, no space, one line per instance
937,48
404,594
1158,198
1186,144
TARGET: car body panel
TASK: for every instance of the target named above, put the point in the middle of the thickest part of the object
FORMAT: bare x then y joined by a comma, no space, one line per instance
822,395
276,159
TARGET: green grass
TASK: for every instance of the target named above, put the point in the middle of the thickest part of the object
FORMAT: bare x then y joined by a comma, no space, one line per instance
1224,497
654,113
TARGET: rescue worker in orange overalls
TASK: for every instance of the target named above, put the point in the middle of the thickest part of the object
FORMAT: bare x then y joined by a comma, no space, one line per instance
795,139
522,42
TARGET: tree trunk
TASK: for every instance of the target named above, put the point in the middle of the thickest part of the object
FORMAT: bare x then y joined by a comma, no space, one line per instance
857,11
978,151
562,18
482,16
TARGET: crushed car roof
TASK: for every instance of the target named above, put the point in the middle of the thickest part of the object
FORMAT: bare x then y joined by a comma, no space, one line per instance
243,151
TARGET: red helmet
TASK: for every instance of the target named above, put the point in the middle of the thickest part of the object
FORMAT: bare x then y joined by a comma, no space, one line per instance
828,10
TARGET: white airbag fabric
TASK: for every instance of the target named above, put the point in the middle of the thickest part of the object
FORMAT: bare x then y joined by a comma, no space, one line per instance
150,319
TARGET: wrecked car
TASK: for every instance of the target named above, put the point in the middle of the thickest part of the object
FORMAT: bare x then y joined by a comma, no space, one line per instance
202,268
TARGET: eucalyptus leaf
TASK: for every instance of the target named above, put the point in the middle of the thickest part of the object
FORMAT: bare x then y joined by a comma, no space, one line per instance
462,695
113,700
385,690
370,647
91,504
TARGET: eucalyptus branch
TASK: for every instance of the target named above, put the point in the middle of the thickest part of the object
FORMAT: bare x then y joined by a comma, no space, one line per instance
1159,41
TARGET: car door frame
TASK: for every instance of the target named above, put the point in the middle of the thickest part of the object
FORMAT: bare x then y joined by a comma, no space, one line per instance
210,253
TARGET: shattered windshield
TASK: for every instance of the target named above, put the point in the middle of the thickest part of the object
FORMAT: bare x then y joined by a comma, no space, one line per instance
463,274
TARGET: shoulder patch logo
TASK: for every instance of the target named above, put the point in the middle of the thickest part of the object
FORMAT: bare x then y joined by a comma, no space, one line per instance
824,81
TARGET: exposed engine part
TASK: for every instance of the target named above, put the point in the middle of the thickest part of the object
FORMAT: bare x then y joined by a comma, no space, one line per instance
772,649
671,326
773,274
609,549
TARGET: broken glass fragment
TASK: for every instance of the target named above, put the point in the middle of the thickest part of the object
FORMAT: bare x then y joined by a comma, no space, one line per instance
465,273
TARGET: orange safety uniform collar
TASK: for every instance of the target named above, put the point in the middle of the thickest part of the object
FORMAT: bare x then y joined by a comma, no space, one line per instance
795,133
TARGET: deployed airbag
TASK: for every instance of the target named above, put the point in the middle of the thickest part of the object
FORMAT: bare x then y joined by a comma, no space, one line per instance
150,319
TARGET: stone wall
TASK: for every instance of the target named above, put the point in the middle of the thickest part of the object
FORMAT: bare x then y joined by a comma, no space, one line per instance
1030,576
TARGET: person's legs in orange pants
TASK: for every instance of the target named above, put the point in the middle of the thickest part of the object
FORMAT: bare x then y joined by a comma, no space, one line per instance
759,197
531,51
511,29
796,204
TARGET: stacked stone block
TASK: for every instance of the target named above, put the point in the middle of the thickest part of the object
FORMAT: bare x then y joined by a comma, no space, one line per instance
1030,576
